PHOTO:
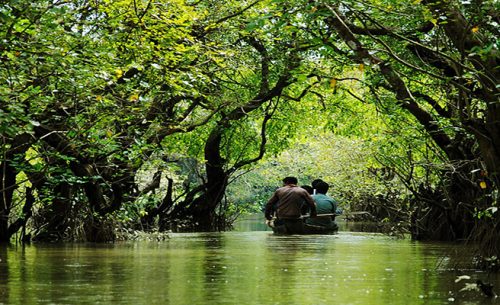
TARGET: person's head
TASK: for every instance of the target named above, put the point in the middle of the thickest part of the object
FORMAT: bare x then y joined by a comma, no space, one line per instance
322,187
315,182
290,180
308,188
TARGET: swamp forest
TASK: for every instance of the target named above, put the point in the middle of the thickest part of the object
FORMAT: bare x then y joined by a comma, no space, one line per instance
173,116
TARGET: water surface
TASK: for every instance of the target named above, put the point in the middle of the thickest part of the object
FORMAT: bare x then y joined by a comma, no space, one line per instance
240,267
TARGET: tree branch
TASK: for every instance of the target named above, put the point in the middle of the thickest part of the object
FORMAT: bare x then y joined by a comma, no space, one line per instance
263,141
397,85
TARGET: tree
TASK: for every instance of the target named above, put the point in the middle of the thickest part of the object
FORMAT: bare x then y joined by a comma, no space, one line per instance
97,88
234,141
439,60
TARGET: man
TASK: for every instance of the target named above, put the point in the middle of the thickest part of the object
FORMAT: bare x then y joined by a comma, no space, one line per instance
324,205
288,200
314,184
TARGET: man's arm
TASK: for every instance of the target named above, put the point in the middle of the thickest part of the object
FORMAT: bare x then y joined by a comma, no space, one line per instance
269,206
311,203
333,203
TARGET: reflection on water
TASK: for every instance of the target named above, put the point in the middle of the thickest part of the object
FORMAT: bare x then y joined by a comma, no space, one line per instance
240,267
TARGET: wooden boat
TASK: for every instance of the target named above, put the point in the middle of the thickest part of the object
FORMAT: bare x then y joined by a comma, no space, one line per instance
299,226
307,231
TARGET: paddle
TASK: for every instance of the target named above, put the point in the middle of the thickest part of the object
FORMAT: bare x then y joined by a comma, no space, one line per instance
318,215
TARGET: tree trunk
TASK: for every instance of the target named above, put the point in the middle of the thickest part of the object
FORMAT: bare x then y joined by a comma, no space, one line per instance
55,215
8,173
8,178
217,179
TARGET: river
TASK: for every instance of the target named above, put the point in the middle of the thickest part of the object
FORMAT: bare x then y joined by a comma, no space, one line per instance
249,265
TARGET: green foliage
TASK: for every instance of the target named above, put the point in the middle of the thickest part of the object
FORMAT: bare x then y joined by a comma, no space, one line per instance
343,162
111,91
307,148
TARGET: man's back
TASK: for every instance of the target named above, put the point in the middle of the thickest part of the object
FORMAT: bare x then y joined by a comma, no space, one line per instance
324,205
290,199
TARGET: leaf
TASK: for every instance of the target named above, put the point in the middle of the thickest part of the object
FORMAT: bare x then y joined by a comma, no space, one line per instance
118,73
333,83
134,97
470,287
462,277
251,26
493,210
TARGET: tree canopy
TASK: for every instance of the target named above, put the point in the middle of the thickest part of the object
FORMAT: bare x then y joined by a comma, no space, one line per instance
144,112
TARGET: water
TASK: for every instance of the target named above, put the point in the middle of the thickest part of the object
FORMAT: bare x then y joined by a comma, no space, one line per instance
241,267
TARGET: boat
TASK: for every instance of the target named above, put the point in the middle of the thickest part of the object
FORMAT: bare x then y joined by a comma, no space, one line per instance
306,231
300,227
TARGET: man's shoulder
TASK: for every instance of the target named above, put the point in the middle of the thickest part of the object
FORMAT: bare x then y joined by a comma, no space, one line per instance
323,197
298,189
282,188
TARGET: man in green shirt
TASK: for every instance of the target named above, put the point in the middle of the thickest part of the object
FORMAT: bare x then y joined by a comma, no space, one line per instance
324,205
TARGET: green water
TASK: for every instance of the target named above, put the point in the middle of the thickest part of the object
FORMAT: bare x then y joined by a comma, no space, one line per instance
240,267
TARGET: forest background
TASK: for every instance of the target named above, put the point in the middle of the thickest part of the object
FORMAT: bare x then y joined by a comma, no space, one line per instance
179,115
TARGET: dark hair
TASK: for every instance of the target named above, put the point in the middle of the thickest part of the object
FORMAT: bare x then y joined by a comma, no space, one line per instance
315,183
308,188
322,187
290,180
